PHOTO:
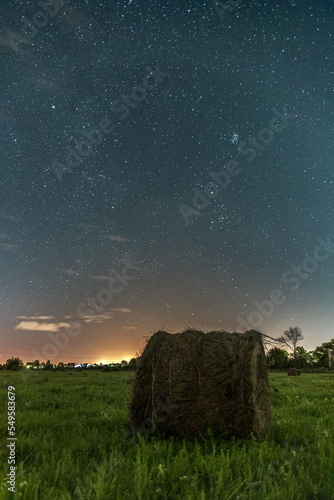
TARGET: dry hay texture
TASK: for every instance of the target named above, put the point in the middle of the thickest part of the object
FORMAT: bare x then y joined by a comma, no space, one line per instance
189,382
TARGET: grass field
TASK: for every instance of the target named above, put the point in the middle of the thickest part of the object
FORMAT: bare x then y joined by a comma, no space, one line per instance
73,443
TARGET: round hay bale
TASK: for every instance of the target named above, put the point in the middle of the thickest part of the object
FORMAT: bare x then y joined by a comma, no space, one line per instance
189,382
294,372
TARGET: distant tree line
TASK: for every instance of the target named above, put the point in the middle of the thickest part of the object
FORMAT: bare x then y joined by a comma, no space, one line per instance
15,364
278,358
298,357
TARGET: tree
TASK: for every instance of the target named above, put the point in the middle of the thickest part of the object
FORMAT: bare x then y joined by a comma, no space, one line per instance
277,359
124,363
320,354
36,363
304,359
132,364
48,365
13,362
291,337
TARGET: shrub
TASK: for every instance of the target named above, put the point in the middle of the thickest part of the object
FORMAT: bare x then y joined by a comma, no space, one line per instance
13,362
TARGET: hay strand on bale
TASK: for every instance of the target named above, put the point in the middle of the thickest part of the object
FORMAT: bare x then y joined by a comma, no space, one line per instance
189,382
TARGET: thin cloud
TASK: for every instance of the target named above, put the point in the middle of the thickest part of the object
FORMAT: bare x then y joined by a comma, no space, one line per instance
40,327
131,264
122,310
96,318
38,318
7,217
52,86
8,247
8,41
115,237
101,277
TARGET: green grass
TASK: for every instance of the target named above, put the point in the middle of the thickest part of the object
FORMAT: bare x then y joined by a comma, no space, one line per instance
73,443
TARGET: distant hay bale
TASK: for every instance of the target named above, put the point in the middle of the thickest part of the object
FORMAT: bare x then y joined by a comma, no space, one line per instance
294,372
189,382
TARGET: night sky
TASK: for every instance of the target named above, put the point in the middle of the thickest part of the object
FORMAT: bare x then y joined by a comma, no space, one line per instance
164,164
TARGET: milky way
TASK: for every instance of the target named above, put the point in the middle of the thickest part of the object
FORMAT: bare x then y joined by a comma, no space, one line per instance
163,164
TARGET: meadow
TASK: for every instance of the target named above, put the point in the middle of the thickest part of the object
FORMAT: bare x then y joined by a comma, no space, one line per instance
74,442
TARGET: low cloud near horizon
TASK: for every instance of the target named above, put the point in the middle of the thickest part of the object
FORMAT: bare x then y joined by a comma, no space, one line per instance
41,327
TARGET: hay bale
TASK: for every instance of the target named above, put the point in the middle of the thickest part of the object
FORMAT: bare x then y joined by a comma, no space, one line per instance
294,372
192,381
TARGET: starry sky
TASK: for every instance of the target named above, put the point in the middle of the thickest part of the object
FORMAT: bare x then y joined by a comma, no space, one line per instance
164,164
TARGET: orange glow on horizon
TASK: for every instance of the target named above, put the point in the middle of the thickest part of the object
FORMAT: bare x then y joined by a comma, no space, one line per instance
105,361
